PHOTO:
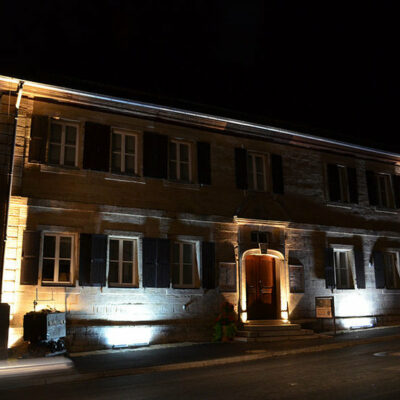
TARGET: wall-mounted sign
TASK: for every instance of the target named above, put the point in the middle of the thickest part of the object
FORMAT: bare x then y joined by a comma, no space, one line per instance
227,277
324,307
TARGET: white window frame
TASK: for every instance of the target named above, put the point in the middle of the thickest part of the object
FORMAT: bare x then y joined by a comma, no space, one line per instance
122,153
63,145
350,267
388,191
57,235
135,271
195,265
396,254
178,162
252,178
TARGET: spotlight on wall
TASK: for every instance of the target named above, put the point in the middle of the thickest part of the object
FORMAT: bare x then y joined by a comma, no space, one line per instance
126,336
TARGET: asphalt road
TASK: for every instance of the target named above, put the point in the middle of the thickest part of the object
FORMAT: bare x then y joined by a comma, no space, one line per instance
362,372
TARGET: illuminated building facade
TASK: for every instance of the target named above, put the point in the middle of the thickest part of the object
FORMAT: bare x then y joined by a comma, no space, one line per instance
139,221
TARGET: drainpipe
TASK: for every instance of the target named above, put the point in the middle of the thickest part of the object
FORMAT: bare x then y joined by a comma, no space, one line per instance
10,181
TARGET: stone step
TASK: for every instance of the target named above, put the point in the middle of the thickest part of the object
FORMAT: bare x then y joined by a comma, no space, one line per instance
264,333
275,338
285,327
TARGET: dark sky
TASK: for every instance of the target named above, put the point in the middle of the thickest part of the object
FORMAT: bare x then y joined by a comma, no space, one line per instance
327,68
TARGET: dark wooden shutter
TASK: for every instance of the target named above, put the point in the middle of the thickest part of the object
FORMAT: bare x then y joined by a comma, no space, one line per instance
360,271
204,163
99,260
85,256
30,258
372,188
149,262
163,267
396,189
39,133
155,155
353,184
333,182
379,267
277,173
96,154
329,269
241,168
208,265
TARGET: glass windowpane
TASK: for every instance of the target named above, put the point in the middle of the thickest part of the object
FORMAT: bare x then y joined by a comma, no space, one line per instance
187,253
127,272
116,142
187,274
49,246
55,133
54,153
130,144
184,152
129,164
113,272
65,247
116,162
64,271
114,250
127,250
70,135
184,172
172,170
69,156
48,270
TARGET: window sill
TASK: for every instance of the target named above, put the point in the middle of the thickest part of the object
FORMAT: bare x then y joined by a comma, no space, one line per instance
122,286
124,178
57,284
62,169
181,184
391,211
347,206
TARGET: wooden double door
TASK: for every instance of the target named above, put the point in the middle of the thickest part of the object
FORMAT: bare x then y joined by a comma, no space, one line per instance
261,287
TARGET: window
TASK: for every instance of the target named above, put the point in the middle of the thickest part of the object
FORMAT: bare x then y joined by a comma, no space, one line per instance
256,170
385,195
342,183
343,260
180,168
184,265
63,144
57,258
122,268
123,152
390,260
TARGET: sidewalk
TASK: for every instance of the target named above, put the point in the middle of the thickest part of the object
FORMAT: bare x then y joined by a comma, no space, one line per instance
109,363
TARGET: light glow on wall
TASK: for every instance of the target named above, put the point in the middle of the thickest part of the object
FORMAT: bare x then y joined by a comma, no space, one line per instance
125,336
355,323
350,305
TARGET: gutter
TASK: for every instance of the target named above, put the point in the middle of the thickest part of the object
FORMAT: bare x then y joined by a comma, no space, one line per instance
204,117
10,182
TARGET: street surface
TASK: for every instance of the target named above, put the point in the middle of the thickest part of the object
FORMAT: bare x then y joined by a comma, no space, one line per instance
369,371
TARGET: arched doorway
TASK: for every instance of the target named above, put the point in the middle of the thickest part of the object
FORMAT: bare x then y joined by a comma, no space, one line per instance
261,287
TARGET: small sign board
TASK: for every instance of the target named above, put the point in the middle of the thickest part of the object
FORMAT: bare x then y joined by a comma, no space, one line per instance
324,307
227,277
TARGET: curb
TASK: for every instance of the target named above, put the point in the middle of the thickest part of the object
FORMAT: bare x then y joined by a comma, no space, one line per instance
205,363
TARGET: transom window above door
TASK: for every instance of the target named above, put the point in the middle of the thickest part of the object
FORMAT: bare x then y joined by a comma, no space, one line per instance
123,152
179,161
63,144
256,171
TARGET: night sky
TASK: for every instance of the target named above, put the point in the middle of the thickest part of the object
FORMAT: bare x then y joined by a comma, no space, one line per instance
324,68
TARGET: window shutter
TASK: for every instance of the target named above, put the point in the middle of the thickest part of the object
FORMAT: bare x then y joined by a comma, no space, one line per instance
30,258
372,188
208,262
396,189
204,163
99,260
277,173
379,269
329,269
85,248
149,262
39,133
353,186
163,267
241,168
333,182
359,264
96,154
155,155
